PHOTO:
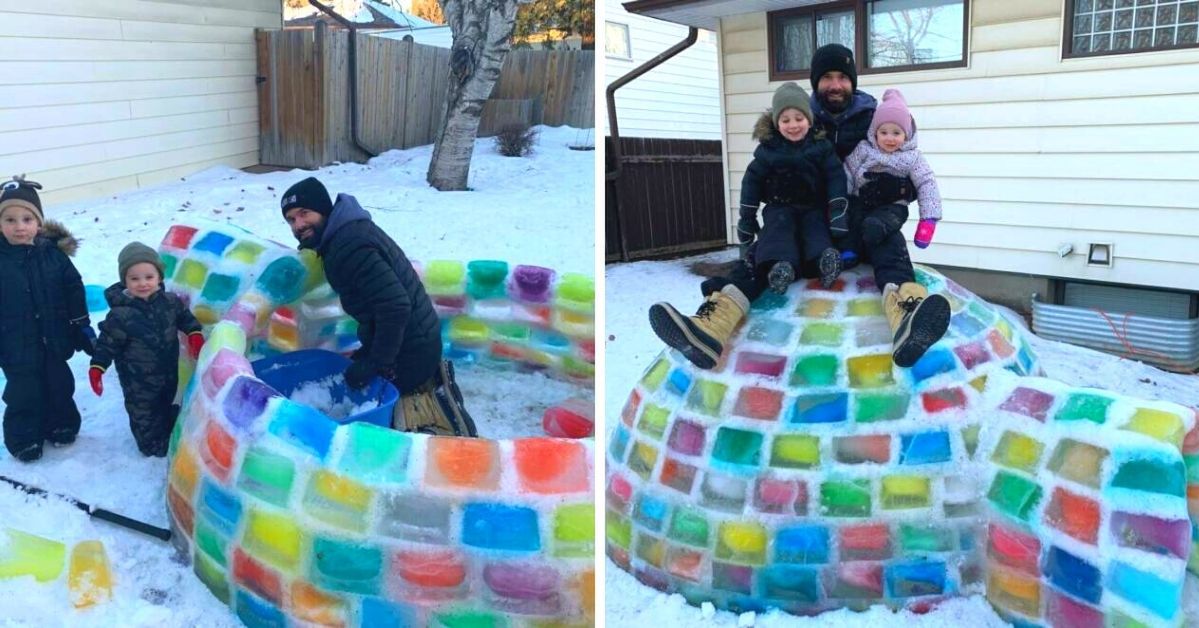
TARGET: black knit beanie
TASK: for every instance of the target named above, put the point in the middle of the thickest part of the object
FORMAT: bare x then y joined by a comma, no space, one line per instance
21,193
309,194
833,57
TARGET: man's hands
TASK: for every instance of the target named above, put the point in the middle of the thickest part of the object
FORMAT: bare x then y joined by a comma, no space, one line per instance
882,188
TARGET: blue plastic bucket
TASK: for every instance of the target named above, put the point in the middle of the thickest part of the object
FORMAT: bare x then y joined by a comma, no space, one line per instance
288,372
95,298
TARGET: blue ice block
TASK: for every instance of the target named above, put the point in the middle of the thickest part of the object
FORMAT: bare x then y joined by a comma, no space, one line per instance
650,512
340,566
966,325
213,242
219,288
826,408
801,544
787,582
500,527
925,448
221,508
379,612
1159,596
256,612
679,381
913,579
1073,575
933,362
283,280
303,427
770,331
619,444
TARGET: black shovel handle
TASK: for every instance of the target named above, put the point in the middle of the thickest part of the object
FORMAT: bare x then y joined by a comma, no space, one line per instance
99,513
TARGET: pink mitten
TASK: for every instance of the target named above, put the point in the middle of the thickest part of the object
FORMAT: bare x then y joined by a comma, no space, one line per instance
924,233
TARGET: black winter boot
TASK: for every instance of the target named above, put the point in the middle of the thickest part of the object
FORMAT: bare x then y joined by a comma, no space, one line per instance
782,274
830,267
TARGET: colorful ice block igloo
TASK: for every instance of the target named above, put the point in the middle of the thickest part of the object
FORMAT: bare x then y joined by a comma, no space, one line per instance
526,317
805,472
291,517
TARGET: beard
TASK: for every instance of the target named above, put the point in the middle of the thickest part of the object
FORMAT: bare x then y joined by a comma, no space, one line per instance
840,102
311,240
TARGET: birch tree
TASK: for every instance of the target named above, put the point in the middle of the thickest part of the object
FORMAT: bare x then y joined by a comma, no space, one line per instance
482,31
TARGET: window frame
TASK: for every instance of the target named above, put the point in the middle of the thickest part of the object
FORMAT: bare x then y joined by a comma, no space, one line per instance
628,40
1068,41
860,40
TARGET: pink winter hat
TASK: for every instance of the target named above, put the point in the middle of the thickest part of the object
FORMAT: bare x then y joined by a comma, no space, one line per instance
893,109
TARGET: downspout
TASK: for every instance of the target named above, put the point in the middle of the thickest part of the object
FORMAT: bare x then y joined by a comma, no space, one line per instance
353,72
614,128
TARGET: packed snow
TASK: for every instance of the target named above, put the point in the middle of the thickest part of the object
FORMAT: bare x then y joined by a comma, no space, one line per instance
533,210
630,348
319,394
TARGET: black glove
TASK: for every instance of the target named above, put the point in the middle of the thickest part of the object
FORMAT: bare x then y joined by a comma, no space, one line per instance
360,373
84,338
882,188
838,217
747,230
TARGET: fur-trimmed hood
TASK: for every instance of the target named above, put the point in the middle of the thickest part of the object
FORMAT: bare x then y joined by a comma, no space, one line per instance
765,130
60,236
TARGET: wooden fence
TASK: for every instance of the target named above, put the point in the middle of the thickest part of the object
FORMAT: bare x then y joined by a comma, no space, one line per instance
667,200
304,95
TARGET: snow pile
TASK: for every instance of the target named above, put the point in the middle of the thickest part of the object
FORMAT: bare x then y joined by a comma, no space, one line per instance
319,396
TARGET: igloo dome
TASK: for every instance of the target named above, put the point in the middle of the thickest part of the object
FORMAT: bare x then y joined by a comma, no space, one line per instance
806,472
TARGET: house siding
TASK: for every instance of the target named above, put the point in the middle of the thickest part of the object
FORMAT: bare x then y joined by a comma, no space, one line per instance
678,99
105,97
1031,151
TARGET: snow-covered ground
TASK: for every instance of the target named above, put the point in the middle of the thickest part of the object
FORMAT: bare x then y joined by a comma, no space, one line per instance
534,210
632,288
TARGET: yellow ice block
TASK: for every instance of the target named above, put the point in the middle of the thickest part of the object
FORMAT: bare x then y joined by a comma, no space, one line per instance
90,577
1164,426
23,554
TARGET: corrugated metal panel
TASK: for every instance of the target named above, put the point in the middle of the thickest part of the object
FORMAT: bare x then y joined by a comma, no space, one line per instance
1114,299
1169,343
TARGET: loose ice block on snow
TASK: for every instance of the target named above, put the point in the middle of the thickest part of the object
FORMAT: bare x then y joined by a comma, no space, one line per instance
89,579
24,554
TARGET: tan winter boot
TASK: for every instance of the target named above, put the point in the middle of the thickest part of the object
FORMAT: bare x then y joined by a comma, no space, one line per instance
434,407
917,320
701,338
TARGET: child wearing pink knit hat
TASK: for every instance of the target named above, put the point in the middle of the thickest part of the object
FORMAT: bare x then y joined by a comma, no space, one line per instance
890,147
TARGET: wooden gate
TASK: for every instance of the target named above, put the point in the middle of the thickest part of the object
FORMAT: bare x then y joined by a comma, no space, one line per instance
667,200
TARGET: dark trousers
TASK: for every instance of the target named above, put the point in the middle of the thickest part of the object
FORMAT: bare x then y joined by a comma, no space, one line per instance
152,413
792,234
889,256
39,405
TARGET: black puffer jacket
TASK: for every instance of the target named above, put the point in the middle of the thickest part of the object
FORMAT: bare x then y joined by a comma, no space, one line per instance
142,335
380,289
41,295
805,173
849,127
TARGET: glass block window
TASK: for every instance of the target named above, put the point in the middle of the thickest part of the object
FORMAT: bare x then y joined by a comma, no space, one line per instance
1106,27
616,40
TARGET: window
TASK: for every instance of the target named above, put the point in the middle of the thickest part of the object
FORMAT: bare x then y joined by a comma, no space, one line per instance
616,40
1108,27
885,35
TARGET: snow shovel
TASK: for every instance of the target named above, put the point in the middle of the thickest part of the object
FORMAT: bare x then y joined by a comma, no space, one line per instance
98,513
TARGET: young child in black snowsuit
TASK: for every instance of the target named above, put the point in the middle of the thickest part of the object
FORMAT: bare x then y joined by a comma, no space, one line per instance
141,333
43,322
795,171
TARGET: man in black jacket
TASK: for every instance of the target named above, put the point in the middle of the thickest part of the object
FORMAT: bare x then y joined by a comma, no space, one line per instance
379,288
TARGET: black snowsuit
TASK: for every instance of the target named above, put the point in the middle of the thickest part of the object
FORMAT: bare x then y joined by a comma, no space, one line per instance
379,288
42,309
796,180
142,337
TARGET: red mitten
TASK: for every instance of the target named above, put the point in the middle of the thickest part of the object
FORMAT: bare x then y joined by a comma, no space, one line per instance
195,341
94,376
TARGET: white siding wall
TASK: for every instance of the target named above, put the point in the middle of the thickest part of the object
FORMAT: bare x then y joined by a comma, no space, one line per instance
106,96
678,99
1032,151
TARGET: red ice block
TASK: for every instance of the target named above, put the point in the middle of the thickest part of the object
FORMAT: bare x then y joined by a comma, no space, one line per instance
184,515
1000,345
860,579
1015,549
1152,534
775,496
619,492
1075,515
463,462
179,237
865,542
687,437
1029,402
972,354
759,403
573,418
944,399
751,363
1064,611
218,449
865,448
546,465
630,408
677,475
257,577
434,569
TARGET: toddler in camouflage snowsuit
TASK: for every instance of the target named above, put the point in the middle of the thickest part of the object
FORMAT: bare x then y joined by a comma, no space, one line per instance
141,333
